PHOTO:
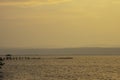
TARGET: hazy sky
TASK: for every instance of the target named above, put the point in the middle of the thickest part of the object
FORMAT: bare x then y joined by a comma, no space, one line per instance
59,23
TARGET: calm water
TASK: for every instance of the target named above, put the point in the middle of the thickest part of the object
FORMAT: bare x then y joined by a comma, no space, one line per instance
66,51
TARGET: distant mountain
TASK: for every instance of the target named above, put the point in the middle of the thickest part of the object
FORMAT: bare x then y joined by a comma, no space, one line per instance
63,51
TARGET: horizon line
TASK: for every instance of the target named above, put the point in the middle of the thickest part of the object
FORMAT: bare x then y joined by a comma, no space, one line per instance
57,48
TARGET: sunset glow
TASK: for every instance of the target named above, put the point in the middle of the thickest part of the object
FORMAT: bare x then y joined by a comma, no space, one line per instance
59,23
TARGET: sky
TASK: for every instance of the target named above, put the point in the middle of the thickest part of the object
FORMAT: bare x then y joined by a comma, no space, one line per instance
59,23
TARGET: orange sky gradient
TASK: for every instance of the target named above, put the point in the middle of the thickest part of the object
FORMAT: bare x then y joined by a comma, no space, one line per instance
59,23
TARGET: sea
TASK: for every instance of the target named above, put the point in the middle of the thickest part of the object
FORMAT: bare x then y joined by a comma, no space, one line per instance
60,51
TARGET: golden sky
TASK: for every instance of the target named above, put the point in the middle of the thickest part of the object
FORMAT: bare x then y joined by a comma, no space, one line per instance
59,23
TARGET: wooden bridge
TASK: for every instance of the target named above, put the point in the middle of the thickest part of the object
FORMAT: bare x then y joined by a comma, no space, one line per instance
18,57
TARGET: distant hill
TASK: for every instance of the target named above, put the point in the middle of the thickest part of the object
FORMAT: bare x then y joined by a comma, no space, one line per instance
62,51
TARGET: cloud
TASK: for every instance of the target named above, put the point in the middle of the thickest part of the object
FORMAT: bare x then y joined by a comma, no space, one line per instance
30,2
